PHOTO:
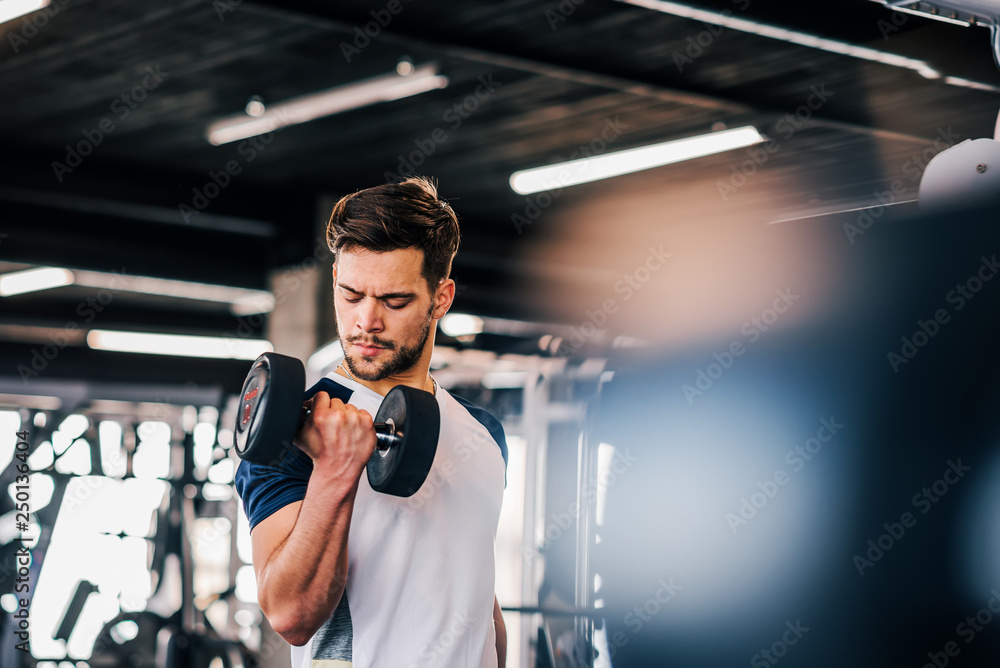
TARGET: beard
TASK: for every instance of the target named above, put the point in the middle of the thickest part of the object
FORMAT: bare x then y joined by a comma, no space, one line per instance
402,359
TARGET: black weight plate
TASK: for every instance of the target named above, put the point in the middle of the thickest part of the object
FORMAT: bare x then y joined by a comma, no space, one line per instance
270,405
402,469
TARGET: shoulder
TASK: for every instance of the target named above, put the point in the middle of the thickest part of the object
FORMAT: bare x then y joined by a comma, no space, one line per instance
488,420
331,387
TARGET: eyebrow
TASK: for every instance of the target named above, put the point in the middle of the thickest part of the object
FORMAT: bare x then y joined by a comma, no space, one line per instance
387,295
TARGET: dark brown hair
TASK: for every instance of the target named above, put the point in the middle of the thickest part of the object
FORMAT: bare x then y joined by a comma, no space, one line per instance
388,217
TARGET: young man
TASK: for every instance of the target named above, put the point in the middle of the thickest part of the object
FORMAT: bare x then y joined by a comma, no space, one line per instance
349,576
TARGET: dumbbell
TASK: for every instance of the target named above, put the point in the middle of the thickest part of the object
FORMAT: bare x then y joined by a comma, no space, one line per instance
271,413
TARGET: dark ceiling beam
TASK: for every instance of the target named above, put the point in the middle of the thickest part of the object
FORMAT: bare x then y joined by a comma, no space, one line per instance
138,212
334,18
64,53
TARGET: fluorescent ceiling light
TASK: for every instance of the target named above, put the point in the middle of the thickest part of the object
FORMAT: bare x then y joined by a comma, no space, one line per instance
585,170
243,301
727,20
11,9
181,346
33,280
383,88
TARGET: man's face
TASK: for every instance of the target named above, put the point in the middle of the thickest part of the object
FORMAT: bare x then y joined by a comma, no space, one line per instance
384,311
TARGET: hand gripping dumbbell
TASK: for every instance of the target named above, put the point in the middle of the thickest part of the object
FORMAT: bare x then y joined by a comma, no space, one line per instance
272,412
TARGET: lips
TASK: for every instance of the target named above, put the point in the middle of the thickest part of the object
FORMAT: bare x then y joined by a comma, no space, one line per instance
368,350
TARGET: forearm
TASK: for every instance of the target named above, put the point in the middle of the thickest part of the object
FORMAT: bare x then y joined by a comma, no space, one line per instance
302,582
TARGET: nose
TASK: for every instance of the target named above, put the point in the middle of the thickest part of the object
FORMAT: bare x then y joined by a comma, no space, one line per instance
369,319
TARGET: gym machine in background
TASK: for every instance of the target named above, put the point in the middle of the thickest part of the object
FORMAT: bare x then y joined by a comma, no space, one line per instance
164,627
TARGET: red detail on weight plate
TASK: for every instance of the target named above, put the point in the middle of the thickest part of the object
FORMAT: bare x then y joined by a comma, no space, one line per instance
251,394
246,413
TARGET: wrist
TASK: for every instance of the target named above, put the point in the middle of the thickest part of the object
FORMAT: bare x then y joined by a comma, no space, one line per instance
335,477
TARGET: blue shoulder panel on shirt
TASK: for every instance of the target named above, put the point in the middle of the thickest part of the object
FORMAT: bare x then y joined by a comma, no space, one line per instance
489,421
265,489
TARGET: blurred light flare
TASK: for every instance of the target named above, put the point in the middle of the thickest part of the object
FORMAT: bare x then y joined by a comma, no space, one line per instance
605,455
152,455
76,459
246,584
85,545
74,426
113,460
42,457
461,324
223,472
324,358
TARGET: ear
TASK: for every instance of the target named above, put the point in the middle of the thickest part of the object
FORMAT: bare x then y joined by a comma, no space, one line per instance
443,298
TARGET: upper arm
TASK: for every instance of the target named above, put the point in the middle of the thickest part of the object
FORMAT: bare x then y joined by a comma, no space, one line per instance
270,533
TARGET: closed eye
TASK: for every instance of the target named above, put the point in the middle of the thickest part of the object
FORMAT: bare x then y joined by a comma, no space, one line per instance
391,305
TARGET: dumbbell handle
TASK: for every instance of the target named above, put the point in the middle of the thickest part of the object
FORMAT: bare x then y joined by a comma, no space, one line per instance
385,432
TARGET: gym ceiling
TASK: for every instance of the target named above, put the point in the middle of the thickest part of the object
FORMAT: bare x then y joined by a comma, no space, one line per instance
528,83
